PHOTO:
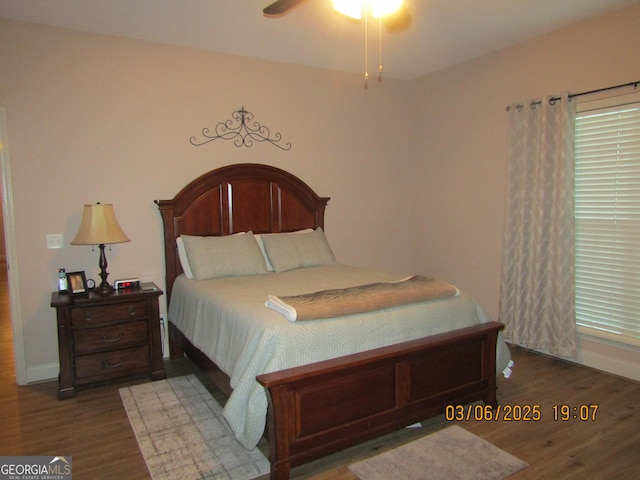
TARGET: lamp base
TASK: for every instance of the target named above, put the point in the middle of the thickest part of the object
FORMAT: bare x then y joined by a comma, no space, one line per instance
104,288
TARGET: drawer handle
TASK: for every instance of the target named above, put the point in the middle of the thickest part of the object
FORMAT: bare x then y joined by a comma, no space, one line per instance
112,340
132,311
106,364
87,317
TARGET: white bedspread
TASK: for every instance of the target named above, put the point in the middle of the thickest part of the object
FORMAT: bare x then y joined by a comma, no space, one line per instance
226,318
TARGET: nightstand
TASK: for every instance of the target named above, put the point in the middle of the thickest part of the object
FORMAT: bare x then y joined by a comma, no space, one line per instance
108,337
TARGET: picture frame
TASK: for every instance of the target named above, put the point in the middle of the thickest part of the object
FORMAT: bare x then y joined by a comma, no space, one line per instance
77,283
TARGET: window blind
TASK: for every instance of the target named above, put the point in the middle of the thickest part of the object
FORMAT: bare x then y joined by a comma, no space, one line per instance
607,214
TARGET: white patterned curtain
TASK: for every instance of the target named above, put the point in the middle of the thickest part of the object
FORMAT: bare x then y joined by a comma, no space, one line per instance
537,288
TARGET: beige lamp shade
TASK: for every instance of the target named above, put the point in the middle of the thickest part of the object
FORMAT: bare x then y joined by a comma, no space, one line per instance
99,226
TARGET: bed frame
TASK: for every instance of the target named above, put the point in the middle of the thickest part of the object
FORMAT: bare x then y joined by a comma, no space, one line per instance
327,406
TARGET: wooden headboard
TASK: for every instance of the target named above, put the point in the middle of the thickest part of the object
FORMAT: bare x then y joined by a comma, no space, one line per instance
237,198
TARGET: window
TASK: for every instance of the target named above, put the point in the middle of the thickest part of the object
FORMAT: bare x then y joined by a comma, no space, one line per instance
607,213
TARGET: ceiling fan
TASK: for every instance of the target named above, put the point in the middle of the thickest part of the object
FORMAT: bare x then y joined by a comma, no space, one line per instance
397,21
280,7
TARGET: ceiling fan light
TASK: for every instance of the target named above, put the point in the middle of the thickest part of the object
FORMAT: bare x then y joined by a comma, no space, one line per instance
350,8
354,8
380,8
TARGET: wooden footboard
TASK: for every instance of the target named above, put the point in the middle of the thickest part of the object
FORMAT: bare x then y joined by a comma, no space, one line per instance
325,407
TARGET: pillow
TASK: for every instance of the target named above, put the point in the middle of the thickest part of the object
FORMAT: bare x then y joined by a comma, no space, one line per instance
261,244
184,259
288,252
232,255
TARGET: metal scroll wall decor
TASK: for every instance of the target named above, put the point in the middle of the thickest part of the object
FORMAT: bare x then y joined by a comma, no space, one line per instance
242,130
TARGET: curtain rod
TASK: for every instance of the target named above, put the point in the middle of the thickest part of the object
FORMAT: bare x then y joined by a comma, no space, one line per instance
590,92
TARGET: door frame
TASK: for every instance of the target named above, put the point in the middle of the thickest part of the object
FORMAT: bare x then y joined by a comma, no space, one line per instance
12,257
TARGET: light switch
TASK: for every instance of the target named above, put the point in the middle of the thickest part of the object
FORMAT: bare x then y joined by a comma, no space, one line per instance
55,240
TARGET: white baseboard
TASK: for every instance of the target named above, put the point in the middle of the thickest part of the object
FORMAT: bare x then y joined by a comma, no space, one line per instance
608,356
43,373
605,355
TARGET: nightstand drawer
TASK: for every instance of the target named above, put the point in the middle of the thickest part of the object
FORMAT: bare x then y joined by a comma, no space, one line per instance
101,366
108,338
99,314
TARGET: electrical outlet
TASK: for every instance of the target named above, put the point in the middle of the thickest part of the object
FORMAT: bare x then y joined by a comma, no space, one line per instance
55,240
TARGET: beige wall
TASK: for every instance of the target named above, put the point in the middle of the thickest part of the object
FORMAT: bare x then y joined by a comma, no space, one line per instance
415,170
463,127
94,118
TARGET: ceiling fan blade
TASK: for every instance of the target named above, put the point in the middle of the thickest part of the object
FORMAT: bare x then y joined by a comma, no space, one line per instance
280,6
397,21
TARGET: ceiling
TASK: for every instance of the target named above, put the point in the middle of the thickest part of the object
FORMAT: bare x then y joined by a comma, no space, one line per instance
442,32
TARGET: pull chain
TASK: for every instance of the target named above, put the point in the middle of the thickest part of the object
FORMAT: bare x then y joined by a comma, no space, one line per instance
366,43
379,48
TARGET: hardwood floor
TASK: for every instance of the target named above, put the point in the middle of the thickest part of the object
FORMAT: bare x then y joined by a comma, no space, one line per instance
94,430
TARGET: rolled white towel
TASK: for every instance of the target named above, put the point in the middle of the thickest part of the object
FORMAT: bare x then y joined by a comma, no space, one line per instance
281,307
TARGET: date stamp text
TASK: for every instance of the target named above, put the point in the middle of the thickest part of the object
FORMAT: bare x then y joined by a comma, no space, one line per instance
520,413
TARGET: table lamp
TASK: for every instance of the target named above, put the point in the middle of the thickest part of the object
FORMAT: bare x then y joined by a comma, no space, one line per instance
100,227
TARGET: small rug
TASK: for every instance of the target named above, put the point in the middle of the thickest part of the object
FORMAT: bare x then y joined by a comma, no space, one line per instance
182,434
449,454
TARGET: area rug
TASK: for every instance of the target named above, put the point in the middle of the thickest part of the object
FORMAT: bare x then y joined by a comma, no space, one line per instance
182,434
451,453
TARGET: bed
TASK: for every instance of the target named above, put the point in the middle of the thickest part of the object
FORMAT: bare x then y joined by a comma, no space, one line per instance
321,385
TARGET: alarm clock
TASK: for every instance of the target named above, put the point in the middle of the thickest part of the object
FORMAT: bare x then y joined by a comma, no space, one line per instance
127,283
